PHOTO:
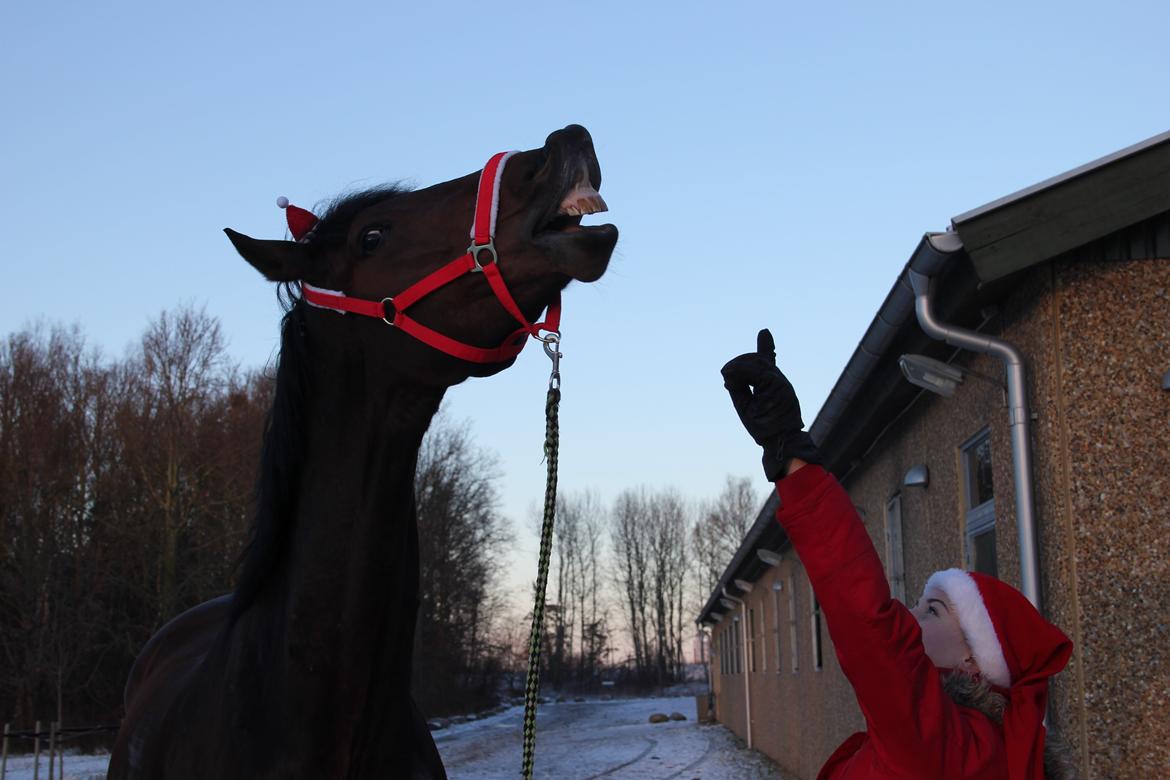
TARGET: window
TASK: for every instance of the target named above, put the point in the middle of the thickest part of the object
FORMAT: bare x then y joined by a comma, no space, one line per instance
776,621
752,639
736,647
895,570
816,630
792,622
979,495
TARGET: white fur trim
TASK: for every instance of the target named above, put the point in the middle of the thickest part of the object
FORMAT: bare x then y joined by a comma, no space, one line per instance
338,293
975,621
495,197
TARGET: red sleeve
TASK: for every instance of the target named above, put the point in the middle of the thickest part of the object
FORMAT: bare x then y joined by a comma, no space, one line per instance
913,725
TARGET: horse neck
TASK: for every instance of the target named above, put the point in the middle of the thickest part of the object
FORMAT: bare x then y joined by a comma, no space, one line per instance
338,628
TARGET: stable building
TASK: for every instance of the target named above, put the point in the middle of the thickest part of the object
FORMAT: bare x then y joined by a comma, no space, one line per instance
1007,411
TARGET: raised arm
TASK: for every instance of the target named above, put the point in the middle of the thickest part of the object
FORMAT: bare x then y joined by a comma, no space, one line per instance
913,725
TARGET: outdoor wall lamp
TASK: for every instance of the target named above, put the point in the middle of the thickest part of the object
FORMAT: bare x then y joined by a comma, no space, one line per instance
917,476
769,557
930,374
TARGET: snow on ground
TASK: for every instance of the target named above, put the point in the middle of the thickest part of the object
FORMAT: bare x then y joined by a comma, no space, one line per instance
77,767
574,741
602,739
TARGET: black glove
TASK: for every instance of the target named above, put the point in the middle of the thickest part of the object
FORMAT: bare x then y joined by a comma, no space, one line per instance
767,406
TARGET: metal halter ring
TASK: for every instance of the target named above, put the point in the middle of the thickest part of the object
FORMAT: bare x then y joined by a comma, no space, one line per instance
390,302
474,249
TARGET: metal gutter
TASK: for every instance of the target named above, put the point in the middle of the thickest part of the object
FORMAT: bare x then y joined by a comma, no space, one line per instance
932,254
1019,420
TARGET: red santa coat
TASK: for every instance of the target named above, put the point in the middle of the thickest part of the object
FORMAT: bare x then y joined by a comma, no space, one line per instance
913,728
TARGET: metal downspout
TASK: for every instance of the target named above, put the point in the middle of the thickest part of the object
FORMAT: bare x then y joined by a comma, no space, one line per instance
1019,420
747,689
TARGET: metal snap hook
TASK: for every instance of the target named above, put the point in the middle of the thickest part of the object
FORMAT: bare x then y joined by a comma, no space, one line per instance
552,344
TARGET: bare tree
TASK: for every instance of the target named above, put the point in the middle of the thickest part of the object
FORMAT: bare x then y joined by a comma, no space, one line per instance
462,541
719,529
630,541
579,630
179,374
668,562
649,535
82,466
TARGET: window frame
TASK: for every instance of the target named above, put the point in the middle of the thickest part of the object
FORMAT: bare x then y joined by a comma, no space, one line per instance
979,519
795,654
737,644
751,632
776,628
895,561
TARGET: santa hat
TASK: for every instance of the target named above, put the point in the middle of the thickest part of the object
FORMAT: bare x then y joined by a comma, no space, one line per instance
1016,649
300,221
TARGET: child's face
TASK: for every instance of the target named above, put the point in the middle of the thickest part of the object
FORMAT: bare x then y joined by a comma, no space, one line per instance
941,636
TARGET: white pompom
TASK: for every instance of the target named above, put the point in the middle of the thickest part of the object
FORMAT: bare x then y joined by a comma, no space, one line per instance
282,202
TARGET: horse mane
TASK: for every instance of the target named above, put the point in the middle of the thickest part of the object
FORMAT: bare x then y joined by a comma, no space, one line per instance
281,457
283,451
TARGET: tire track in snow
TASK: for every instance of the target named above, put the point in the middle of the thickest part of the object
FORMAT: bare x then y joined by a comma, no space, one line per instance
653,744
693,764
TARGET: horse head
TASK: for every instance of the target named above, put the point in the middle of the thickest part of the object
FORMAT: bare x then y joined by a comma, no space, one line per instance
373,245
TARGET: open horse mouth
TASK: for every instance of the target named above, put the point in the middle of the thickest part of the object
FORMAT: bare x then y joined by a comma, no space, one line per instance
581,200
573,178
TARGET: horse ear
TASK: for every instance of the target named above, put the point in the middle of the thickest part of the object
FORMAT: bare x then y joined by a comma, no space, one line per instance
279,261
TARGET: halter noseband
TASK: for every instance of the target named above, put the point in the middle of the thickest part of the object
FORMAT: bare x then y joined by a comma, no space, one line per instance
392,309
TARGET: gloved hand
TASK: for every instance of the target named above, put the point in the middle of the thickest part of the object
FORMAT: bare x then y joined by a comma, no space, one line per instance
768,408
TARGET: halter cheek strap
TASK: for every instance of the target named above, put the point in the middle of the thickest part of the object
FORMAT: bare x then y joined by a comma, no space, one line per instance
481,257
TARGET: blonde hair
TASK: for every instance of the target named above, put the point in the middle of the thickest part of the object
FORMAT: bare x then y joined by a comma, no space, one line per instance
975,691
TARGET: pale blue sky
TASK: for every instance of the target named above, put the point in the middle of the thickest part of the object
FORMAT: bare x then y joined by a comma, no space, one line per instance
767,164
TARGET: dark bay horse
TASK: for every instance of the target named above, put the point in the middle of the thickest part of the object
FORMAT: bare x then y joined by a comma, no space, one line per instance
304,671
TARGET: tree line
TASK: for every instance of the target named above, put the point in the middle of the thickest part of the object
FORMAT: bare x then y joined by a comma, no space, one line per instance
126,496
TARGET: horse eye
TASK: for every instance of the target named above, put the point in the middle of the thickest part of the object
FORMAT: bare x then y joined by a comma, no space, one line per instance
371,240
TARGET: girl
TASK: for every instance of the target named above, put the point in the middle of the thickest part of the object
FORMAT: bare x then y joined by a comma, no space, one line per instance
955,687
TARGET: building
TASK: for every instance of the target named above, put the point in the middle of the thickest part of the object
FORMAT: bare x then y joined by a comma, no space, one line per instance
1074,273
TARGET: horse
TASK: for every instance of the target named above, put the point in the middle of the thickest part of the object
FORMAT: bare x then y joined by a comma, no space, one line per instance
304,670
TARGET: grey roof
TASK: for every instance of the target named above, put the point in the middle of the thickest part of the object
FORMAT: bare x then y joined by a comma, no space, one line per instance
1069,210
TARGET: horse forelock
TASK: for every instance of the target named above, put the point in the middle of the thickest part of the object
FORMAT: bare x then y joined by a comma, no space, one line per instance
335,219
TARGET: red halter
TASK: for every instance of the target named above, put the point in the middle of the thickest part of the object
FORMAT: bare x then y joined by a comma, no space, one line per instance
483,232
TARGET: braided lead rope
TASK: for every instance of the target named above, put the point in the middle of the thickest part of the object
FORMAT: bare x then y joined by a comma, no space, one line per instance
532,685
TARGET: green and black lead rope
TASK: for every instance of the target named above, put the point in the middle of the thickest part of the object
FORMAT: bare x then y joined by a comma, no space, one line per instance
532,686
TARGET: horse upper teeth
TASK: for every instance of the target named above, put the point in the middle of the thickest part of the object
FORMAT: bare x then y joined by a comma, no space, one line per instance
583,199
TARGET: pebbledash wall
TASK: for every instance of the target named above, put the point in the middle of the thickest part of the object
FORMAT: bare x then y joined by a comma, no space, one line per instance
1093,324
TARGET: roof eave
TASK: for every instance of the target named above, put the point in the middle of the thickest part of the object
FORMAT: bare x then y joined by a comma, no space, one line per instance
1067,211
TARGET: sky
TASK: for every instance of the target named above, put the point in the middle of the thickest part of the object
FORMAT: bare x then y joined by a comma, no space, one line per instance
768,164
